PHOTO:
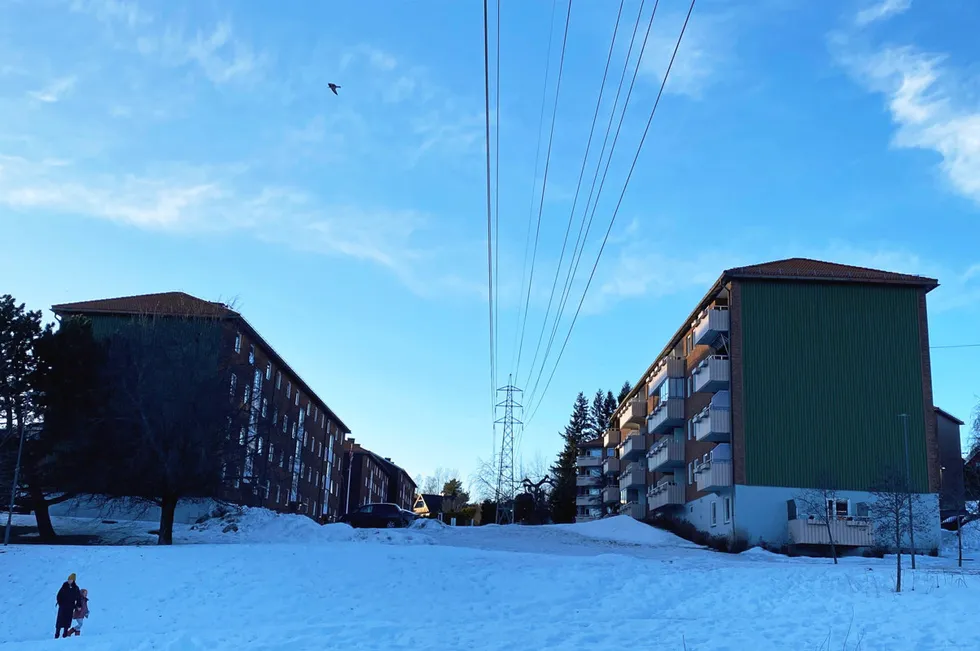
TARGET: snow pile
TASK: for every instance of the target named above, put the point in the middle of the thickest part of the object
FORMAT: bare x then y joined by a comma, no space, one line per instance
624,529
250,525
425,524
971,539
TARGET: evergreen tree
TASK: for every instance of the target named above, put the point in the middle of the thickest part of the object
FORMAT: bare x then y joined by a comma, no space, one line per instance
563,495
602,409
625,391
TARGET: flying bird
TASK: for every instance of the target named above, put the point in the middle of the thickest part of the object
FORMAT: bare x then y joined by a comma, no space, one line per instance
333,87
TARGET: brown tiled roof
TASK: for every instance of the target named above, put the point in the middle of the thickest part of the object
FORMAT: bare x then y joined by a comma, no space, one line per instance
165,304
806,269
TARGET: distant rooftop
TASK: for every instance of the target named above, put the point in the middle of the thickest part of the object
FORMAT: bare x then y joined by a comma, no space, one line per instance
164,304
807,269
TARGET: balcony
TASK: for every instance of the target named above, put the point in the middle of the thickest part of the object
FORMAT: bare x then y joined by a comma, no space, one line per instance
610,438
714,476
633,414
665,453
610,495
854,532
668,367
667,414
587,480
588,461
664,495
713,425
634,447
712,374
588,500
634,510
610,466
711,323
634,476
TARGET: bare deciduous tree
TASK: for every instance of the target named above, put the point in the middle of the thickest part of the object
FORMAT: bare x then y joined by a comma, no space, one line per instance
820,503
890,514
175,432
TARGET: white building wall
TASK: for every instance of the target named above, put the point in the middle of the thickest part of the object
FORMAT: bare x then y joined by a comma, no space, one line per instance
698,513
761,514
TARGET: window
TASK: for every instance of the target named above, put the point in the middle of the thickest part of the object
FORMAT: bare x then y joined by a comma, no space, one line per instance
714,513
241,436
289,389
275,416
234,385
251,354
690,343
690,386
265,407
690,474
728,510
278,380
285,424
268,370
259,446
837,508
296,403
238,342
247,395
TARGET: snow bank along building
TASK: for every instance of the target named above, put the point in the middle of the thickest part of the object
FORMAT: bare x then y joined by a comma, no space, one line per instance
293,461
786,375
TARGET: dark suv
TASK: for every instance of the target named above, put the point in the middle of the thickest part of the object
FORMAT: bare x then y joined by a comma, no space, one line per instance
380,516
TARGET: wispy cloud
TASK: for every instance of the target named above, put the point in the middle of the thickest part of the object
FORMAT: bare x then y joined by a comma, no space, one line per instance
706,47
218,54
54,91
931,107
110,11
881,11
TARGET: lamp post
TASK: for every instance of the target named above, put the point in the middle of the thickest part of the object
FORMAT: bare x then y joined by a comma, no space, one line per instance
908,485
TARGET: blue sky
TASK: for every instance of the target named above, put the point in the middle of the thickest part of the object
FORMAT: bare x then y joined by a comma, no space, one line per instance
194,146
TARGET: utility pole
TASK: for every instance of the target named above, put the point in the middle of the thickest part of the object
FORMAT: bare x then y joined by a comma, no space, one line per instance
505,467
908,485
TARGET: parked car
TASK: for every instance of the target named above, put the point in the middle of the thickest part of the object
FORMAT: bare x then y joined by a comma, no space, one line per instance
381,516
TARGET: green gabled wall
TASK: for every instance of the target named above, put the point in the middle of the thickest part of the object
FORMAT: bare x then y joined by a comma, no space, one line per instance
827,369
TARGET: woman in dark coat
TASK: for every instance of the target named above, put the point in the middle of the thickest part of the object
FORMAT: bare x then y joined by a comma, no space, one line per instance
69,598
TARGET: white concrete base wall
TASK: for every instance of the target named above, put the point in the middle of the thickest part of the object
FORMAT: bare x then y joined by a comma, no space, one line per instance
187,512
698,513
761,514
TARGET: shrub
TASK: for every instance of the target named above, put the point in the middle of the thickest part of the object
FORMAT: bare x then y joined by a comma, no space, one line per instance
734,544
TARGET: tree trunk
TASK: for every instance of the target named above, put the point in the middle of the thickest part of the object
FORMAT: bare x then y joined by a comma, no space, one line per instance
898,570
959,540
40,505
830,536
168,505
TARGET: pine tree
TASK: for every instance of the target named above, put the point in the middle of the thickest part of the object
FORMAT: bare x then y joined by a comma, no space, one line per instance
563,495
625,391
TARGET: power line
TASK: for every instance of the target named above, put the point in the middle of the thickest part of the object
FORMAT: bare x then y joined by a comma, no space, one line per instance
518,330
578,187
496,191
958,346
544,183
579,251
486,79
619,203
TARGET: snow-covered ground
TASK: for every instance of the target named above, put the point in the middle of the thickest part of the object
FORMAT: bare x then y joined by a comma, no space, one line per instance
289,584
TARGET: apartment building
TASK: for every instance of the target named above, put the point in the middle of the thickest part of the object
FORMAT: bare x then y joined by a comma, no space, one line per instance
371,478
588,481
291,461
786,375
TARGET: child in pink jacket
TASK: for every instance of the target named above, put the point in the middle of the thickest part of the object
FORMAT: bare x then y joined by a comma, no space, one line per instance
80,614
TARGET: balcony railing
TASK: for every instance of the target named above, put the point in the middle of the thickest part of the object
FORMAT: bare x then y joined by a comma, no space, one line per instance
847,532
634,447
588,500
610,495
713,424
714,476
667,414
665,494
665,453
610,438
668,367
579,517
712,374
610,466
588,461
633,476
712,322
635,510
587,480
633,414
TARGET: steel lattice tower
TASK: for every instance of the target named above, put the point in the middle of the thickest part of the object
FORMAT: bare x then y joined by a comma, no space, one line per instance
505,465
